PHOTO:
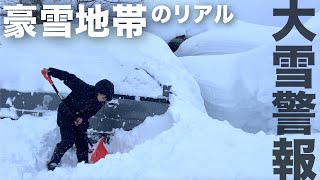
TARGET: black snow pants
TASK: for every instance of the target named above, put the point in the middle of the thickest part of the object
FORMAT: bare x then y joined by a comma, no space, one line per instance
70,135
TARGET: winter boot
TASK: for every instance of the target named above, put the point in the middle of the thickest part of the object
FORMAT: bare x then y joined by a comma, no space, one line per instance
83,156
55,159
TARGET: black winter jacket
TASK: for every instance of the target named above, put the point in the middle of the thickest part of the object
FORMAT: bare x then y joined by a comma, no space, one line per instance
82,101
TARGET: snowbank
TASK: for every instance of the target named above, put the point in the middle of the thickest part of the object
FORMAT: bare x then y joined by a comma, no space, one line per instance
24,145
230,95
234,38
195,147
245,83
125,62
242,82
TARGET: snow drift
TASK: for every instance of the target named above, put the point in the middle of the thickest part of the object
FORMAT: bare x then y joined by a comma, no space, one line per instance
227,39
238,87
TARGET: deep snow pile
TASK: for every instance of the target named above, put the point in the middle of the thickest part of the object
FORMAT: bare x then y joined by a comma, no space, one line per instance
238,87
125,62
195,147
184,143
233,38
230,92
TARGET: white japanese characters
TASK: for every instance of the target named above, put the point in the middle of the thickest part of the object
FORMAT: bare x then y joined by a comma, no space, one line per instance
158,14
204,11
56,19
224,12
163,13
186,13
129,20
93,21
19,20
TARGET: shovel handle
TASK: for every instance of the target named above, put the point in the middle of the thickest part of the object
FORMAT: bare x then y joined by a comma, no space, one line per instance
88,140
46,76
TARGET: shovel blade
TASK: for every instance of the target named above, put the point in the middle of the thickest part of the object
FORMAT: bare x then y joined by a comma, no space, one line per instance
99,152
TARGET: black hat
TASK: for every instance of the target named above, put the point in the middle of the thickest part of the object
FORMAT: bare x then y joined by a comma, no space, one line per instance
105,87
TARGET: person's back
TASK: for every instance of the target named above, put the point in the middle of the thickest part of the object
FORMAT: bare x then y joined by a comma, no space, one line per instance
82,104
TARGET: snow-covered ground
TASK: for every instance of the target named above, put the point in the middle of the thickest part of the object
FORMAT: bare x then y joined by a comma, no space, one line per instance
193,146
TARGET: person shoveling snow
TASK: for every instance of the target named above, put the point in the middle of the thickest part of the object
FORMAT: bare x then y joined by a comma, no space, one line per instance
74,112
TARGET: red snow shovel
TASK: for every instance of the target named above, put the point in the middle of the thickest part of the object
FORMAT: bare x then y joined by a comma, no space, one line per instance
100,151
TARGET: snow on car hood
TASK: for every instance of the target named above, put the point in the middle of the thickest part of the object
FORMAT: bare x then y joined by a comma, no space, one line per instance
136,66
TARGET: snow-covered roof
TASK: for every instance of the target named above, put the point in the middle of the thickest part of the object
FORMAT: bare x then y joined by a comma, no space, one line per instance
223,40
